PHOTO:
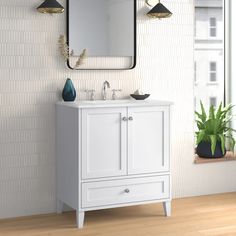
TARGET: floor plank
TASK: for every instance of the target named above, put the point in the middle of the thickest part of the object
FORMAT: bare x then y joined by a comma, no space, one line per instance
198,216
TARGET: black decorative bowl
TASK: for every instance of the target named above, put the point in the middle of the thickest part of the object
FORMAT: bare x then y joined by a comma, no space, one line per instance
140,97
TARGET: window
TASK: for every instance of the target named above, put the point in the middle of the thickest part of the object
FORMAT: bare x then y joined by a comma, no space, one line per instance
213,101
212,30
213,72
209,55
213,27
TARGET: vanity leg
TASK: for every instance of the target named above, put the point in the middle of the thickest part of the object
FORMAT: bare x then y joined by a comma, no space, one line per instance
167,208
59,206
80,219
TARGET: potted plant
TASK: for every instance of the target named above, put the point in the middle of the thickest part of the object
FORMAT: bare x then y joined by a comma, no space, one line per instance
213,131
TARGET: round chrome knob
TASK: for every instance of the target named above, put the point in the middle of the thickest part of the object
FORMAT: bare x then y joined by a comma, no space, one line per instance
127,190
131,118
124,118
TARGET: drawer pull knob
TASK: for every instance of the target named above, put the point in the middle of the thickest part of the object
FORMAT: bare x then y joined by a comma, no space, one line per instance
124,118
131,118
127,190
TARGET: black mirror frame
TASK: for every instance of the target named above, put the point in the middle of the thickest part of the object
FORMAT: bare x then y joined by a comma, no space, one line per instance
135,40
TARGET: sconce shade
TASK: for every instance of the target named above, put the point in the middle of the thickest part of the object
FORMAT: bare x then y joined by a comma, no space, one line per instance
159,11
50,6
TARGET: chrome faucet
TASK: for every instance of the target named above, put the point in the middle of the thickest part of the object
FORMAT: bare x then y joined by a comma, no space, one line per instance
105,86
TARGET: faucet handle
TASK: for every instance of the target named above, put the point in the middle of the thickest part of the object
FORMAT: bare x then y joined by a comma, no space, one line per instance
114,96
91,92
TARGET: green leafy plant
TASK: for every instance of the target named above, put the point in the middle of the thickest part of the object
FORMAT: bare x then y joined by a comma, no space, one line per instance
215,127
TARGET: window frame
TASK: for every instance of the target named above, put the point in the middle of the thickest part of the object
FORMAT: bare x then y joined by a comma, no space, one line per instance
213,27
210,100
227,16
195,72
226,50
211,72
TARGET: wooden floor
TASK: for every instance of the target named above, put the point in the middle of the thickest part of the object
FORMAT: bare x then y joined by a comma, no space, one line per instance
207,215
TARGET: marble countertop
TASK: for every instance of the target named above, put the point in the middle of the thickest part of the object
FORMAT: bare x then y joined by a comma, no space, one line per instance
114,103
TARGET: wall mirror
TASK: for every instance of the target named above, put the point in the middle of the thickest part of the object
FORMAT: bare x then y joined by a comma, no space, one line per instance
106,29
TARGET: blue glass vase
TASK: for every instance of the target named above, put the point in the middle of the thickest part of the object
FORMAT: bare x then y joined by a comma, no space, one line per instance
69,92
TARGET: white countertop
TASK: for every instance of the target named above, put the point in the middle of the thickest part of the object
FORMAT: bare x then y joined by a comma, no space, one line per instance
114,103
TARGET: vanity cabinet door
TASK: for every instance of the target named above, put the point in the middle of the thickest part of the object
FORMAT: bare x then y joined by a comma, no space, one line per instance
104,142
148,138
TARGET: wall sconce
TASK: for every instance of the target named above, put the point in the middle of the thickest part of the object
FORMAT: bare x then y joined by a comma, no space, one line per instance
158,11
50,6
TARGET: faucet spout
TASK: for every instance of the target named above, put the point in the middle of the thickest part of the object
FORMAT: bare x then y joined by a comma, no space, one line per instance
105,86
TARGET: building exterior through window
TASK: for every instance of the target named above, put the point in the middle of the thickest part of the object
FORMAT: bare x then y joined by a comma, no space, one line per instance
213,101
213,27
213,72
209,52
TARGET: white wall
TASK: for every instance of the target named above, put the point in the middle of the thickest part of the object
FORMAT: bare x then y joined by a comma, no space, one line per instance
32,75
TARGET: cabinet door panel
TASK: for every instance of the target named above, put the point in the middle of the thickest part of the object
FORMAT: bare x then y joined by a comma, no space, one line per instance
148,134
104,142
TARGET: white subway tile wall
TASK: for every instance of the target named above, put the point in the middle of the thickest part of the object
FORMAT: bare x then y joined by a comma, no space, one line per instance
32,75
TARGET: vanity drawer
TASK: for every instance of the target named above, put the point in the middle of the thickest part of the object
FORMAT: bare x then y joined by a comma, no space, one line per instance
95,194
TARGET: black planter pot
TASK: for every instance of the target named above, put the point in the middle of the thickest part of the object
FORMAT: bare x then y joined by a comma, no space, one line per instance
204,150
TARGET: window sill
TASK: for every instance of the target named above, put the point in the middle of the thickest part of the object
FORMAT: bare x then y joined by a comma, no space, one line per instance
230,156
212,83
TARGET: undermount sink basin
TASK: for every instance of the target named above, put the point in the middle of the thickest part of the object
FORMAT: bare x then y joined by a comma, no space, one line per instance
114,103
95,102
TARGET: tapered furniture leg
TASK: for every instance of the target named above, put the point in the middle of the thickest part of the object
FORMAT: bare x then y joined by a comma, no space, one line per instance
80,219
167,208
59,206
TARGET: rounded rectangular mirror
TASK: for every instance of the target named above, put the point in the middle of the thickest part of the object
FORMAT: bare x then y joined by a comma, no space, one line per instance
101,34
